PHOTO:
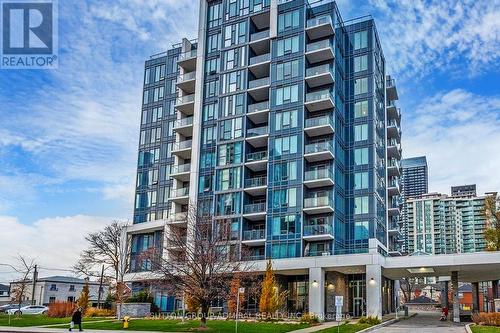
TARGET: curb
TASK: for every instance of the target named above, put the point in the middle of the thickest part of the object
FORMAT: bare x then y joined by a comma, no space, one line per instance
468,329
385,323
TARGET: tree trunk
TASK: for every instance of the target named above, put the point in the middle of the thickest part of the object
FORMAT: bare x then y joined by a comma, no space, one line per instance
204,314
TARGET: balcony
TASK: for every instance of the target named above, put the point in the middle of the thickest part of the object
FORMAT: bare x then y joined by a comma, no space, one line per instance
318,253
393,149
181,172
254,237
256,186
259,65
393,130
258,113
185,104
319,126
319,51
253,257
393,168
319,100
393,187
186,82
178,218
255,211
393,112
319,75
259,89
260,42
184,126
318,205
319,27
257,161
393,210
182,149
187,60
319,151
257,136
180,195
318,178
390,88
318,232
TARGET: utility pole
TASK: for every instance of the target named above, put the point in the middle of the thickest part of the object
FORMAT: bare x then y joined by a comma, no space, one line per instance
35,277
100,288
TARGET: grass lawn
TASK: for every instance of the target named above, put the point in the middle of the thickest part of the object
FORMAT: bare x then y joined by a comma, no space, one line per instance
36,320
346,328
485,329
215,326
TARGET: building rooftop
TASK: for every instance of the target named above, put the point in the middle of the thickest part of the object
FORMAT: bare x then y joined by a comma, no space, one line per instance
414,162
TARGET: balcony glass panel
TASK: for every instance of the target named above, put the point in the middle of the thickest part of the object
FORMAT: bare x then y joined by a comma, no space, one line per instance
257,156
322,44
254,208
320,20
318,95
319,229
258,107
260,58
256,182
319,121
320,146
259,35
317,202
254,234
256,131
317,70
184,99
318,174
258,83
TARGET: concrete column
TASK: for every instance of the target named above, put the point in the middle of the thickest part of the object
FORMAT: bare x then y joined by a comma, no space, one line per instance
317,292
456,303
397,287
475,297
374,291
444,295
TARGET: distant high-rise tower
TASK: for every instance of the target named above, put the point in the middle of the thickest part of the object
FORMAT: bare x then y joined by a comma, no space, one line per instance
464,190
415,182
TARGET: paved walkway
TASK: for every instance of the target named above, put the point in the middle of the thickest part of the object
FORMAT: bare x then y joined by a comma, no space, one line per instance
424,322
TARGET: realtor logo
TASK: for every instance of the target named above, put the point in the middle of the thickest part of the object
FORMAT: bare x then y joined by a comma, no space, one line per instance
29,34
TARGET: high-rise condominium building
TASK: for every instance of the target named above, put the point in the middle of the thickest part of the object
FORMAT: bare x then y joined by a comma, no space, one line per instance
414,183
464,190
440,224
279,118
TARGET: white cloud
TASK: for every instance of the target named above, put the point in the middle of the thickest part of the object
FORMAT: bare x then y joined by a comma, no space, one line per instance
459,133
53,242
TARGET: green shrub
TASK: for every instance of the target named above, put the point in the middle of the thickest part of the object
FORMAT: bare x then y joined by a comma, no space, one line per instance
309,318
369,320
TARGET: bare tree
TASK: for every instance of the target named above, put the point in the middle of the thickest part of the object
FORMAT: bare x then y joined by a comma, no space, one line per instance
406,285
200,260
492,230
25,267
106,248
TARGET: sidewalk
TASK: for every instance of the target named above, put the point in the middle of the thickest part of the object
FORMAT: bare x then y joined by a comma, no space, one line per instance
56,330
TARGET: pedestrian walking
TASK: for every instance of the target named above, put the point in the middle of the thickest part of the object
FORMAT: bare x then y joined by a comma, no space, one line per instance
76,319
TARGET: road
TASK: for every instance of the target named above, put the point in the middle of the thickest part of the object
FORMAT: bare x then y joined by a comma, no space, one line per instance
425,322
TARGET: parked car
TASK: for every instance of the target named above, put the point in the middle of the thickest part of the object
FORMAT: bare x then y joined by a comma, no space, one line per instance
6,307
30,309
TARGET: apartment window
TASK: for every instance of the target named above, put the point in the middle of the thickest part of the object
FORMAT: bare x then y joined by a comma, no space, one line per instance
360,86
289,20
233,105
228,179
286,120
210,111
287,94
53,287
213,43
361,230
52,299
231,129
71,287
230,153
229,204
207,159
157,114
285,198
361,205
361,132
288,45
234,58
235,34
214,15
147,75
208,135
361,109
233,81
205,183
170,105
360,40
283,225
284,250
360,63
212,89
212,66
285,171
360,156
361,180
237,8
287,70
145,99
285,145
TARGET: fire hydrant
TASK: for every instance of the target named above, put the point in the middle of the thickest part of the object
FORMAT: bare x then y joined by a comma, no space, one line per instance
126,320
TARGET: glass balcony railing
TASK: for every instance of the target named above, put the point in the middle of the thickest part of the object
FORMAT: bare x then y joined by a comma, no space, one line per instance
258,83
260,58
320,20
178,217
259,35
318,70
183,145
258,107
256,182
390,83
319,45
319,121
187,55
186,77
256,131
179,192
254,234
318,95
254,208
318,229
183,122
180,168
317,147
254,257
393,183
317,253
317,202
318,174
393,163
391,104
184,99
257,156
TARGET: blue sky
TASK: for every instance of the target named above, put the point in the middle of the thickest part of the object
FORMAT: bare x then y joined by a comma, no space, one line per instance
68,137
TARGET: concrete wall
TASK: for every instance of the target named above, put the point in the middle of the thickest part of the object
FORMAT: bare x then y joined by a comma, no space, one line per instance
134,310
